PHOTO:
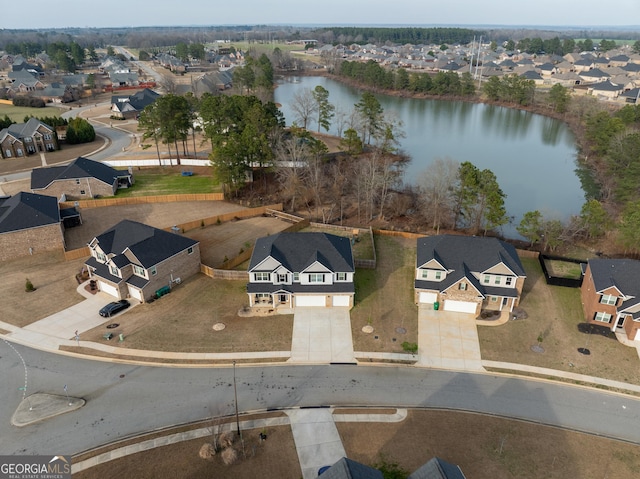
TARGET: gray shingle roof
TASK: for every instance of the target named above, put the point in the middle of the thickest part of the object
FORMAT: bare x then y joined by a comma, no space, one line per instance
437,468
27,210
621,273
149,245
348,469
297,251
79,168
22,130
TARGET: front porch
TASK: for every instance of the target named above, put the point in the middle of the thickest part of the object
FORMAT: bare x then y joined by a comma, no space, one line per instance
277,300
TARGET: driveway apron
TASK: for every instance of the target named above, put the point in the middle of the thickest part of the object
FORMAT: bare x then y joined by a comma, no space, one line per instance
448,340
317,440
322,335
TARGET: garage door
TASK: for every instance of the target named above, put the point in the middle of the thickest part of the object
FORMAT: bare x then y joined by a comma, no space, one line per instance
109,289
311,300
341,300
428,297
460,306
135,293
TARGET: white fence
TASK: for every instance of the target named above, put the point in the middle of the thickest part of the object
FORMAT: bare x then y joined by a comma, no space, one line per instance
156,162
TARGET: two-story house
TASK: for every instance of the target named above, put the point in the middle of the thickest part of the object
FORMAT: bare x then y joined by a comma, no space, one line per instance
135,260
611,294
21,139
467,274
301,269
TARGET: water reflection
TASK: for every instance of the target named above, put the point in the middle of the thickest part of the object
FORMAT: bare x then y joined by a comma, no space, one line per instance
533,157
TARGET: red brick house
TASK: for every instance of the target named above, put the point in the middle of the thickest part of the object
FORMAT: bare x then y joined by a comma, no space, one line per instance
611,295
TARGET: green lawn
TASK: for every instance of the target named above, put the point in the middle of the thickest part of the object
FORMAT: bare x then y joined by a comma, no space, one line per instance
168,181
17,113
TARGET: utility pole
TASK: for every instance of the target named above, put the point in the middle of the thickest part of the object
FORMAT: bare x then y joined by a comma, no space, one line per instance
235,395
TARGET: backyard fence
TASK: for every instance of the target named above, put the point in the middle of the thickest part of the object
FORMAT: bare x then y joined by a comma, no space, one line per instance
556,280
223,218
83,252
223,273
139,200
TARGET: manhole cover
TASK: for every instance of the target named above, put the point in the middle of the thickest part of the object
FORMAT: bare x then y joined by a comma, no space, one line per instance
367,329
218,326
401,331
536,348
112,325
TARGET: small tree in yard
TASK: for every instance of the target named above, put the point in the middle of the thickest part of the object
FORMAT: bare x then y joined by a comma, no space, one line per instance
28,286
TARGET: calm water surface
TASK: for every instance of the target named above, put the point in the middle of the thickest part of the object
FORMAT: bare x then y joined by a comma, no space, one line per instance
533,157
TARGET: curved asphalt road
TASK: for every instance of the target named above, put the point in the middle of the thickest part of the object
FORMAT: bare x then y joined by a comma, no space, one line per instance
123,399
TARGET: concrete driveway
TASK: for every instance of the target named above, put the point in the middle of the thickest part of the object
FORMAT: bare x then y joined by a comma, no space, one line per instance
448,340
49,332
322,335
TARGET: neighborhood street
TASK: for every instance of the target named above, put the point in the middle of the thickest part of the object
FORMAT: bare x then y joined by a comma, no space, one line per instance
124,399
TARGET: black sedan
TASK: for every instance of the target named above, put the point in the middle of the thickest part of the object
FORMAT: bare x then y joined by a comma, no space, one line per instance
113,308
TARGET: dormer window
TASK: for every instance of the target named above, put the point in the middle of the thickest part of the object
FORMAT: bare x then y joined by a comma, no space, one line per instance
462,286
113,269
139,270
101,257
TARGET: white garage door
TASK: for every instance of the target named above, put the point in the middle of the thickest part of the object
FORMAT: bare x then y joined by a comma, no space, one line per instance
460,306
428,297
341,300
109,289
311,300
637,334
135,293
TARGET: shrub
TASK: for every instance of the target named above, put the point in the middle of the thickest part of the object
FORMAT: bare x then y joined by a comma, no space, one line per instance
28,286
410,347
29,102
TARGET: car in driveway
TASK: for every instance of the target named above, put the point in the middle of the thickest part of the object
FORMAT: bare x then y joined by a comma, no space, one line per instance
113,308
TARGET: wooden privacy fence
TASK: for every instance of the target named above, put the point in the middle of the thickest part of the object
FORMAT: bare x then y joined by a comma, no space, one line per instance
223,273
83,252
139,200
241,214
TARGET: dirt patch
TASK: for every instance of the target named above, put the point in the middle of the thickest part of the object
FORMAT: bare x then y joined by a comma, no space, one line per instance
226,240
275,457
54,280
182,321
160,215
484,446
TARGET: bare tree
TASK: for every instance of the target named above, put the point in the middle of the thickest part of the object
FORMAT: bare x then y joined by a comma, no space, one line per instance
304,107
168,84
292,158
340,120
436,187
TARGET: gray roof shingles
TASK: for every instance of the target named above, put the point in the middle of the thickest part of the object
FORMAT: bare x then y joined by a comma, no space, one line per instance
27,210
79,168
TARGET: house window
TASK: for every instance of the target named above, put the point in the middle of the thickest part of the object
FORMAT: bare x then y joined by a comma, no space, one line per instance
296,277
77,181
19,152
153,270
494,299
190,250
608,299
7,153
508,281
341,276
50,147
113,269
497,280
462,286
487,279
47,137
438,274
28,139
425,274
139,270
282,278
316,278
603,317
261,276
101,257
82,192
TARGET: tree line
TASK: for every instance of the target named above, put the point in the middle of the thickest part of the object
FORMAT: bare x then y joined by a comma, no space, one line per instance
415,36
374,75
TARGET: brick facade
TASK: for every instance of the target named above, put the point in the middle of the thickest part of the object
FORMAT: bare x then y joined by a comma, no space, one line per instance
44,238
79,189
42,140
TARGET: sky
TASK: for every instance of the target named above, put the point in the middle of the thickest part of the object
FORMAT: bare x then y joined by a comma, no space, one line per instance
133,13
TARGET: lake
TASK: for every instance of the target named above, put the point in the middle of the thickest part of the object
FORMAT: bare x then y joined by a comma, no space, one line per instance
532,156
